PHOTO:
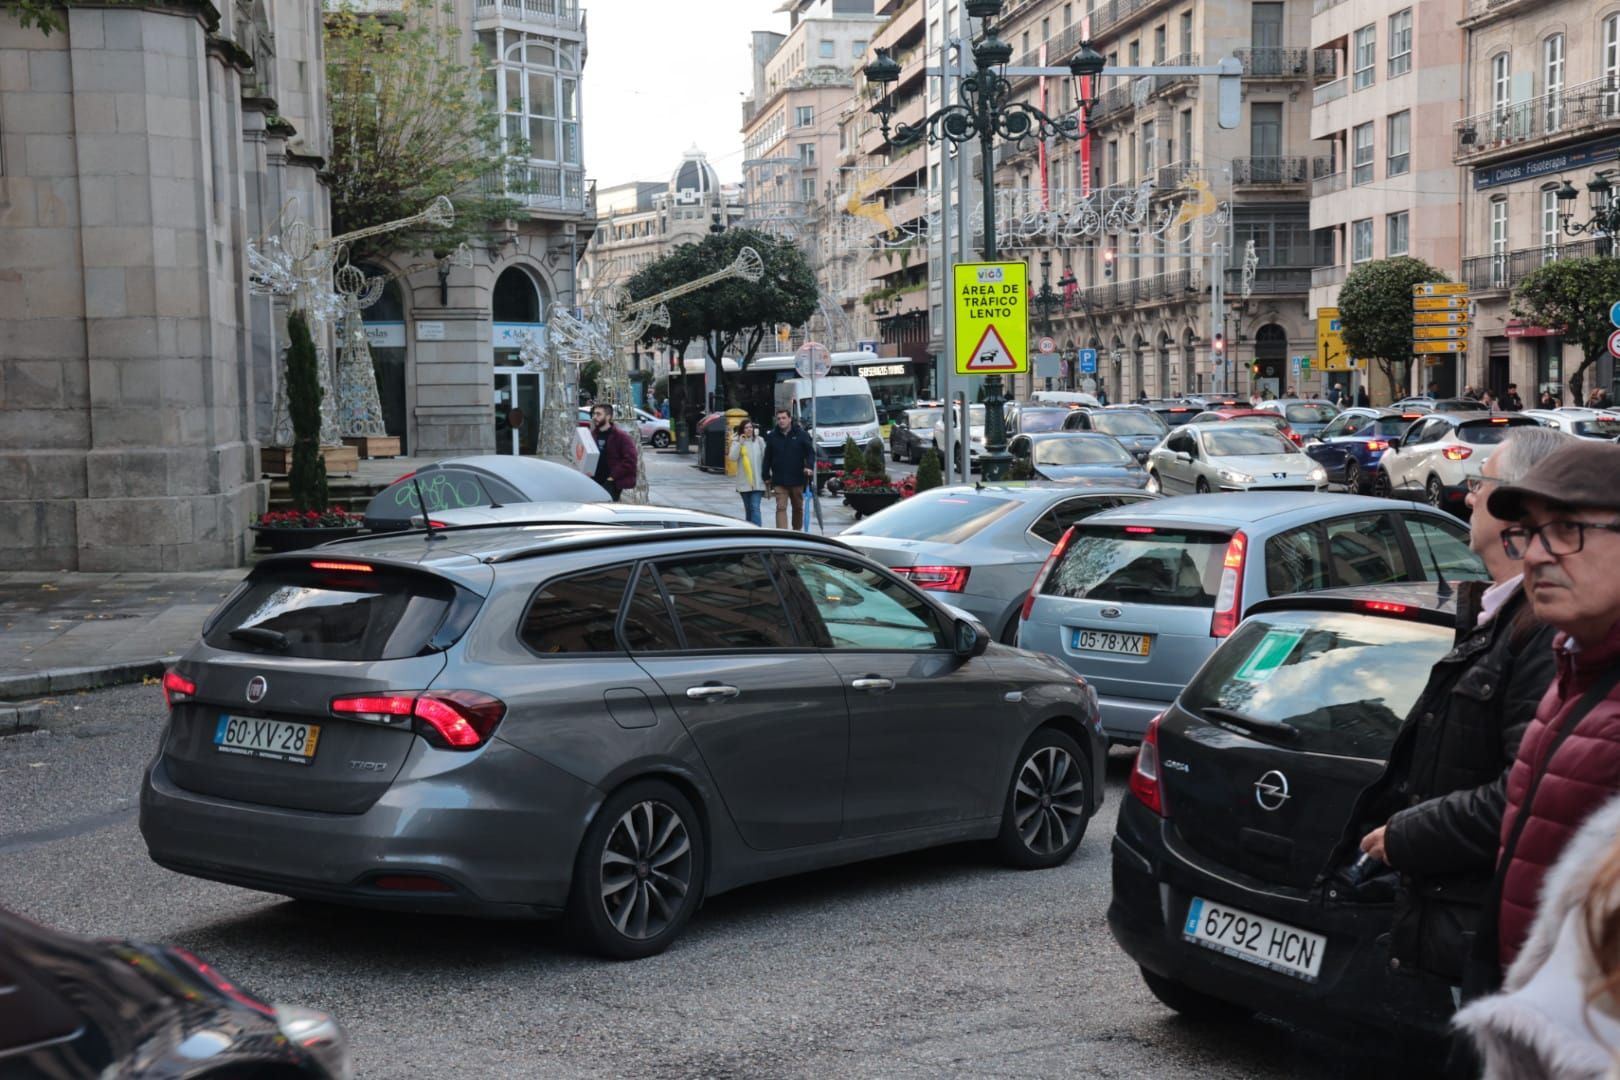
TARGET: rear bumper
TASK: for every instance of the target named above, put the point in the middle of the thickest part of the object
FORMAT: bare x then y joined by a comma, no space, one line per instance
1127,719
1355,990
464,826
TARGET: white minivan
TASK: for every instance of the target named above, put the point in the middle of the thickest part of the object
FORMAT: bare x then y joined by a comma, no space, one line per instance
842,409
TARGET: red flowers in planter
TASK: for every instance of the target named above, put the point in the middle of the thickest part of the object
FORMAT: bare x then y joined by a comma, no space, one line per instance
333,517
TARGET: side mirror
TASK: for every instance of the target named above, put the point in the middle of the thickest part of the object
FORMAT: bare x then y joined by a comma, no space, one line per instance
1183,457
971,639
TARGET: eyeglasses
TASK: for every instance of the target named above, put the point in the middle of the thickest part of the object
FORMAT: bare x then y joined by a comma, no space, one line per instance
1557,537
1476,484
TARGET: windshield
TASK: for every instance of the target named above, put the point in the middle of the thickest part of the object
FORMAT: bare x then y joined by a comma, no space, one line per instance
1136,564
1241,442
1081,451
1128,423
1311,413
837,409
1042,419
923,418
1344,681
948,518
1489,432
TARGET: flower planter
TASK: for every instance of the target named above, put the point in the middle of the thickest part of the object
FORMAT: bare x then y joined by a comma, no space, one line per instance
869,502
281,538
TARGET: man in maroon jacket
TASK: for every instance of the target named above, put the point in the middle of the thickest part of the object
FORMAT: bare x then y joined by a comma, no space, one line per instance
616,453
1567,511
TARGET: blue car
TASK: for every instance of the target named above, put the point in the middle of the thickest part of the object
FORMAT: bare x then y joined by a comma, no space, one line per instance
1353,443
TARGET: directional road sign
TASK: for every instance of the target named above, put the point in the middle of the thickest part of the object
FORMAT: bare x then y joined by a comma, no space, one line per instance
1440,303
1439,333
1439,346
992,329
1441,288
1330,341
1440,318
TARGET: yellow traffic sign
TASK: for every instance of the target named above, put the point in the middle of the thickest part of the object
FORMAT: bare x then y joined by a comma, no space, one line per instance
1440,318
1439,333
1440,303
1441,288
1439,346
992,327
1330,341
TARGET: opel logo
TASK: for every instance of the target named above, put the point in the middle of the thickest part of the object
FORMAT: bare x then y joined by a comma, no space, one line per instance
256,688
1110,613
1271,790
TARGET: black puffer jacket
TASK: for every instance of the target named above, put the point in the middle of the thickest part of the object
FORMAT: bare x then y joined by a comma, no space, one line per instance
1444,789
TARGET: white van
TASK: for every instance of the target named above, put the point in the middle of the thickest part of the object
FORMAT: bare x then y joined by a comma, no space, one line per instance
843,409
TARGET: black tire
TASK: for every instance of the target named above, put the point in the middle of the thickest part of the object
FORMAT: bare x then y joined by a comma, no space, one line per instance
1353,481
1009,633
1048,803
1202,486
652,829
660,440
1434,493
1193,1004
1381,486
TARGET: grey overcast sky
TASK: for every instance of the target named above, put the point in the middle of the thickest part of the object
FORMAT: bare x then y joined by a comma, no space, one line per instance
662,77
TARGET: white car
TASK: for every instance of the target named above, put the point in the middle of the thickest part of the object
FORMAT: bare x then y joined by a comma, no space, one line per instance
1440,453
654,429
1231,456
1587,423
976,446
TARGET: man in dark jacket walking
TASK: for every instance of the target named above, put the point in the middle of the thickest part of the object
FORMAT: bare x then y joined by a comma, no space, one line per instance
1442,793
615,453
790,456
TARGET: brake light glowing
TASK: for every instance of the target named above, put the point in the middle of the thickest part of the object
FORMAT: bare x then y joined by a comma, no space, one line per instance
1377,444
940,578
449,719
1384,606
1145,774
1046,568
1229,598
1411,416
437,524
1457,453
1144,529
177,688
1499,419
343,567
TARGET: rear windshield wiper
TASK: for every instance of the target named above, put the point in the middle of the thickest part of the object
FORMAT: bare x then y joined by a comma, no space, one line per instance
260,635
1279,728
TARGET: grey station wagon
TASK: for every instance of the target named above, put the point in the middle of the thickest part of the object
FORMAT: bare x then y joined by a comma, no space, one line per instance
607,723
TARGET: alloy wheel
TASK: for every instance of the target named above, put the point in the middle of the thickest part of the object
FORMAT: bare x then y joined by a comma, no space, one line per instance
660,439
1352,477
1049,800
646,870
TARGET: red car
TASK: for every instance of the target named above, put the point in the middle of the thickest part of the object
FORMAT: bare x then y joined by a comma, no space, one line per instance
1216,416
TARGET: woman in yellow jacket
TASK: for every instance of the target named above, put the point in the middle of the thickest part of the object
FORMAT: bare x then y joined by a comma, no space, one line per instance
748,451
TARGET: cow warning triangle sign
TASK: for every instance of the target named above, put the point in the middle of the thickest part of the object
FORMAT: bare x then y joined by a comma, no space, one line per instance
991,354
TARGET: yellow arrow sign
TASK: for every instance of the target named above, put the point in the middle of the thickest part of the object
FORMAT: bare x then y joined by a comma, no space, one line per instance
1439,333
1441,288
1440,318
1440,303
1439,346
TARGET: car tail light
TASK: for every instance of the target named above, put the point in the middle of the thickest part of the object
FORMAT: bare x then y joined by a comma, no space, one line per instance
942,578
1145,773
1229,598
437,524
177,688
1377,444
1046,568
1457,453
1499,420
1146,530
344,567
1294,437
449,719
1384,606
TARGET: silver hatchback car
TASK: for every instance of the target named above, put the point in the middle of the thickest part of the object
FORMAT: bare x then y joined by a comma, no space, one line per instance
1136,599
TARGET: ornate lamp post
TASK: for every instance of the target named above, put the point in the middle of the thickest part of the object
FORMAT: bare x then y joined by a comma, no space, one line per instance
984,112
1605,220
1044,297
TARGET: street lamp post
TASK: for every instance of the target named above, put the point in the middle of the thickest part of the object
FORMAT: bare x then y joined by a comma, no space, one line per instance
983,112
1045,298
1605,220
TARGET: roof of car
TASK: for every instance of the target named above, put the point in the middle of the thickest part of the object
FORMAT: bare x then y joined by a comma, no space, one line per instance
1456,419
1023,490
1574,412
1237,508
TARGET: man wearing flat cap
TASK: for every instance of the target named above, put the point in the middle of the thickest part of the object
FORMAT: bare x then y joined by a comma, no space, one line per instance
1564,517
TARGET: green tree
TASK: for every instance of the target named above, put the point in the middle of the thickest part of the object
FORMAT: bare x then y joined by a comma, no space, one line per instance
1574,294
874,460
1375,309
307,478
854,456
412,121
931,473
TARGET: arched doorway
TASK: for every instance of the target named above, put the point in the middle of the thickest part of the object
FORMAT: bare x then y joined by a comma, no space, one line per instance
517,305
1271,357
385,333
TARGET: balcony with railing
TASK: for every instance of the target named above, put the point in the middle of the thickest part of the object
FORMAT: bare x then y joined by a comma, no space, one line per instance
1325,65
1111,105
1275,63
1169,179
1327,184
1332,91
1271,280
1160,84
1504,270
1268,171
1323,277
1168,288
1109,14
1543,121
550,190
549,14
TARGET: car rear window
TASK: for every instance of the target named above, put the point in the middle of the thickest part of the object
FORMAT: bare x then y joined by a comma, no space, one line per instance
1490,432
1042,419
1140,564
1343,681
1606,427
1081,450
1310,414
949,519
1176,416
1128,423
306,611
1387,427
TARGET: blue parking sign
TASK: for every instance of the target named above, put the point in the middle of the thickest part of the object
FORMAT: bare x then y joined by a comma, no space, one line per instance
1088,361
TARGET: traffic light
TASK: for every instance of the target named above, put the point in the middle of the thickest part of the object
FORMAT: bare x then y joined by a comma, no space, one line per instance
1220,346
1108,263
1254,369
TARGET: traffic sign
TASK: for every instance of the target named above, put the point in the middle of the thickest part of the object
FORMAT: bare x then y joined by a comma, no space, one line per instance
1614,343
1439,346
1441,288
1046,345
1440,303
1439,333
1330,341
1088,361
1614,313
992,328
812,360
1440,318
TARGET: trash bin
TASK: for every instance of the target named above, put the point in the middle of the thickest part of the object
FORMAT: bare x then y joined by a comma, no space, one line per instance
733,418
714,447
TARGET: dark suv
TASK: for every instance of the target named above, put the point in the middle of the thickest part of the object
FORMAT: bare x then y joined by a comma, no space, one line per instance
1224,888
610,723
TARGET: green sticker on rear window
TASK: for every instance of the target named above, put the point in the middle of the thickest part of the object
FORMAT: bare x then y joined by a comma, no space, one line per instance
1272,652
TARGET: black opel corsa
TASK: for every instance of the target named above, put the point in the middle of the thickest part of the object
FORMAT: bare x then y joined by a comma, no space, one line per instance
1224,888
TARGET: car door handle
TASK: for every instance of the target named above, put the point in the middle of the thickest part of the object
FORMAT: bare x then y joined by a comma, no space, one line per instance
711,692
873,683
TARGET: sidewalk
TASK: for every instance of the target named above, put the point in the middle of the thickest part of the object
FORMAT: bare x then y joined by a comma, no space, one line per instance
63,631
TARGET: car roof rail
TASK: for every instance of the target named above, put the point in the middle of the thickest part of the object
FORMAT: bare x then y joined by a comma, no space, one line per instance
630,537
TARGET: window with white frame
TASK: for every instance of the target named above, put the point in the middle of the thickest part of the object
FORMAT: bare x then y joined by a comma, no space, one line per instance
1609,61
807,153
539,98
1361,236
1549,223
1552,81
804,116
1400,43
1499,241
1399,128
1366,56
1501,86
1186,35
1397,234
1361,150
807,189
